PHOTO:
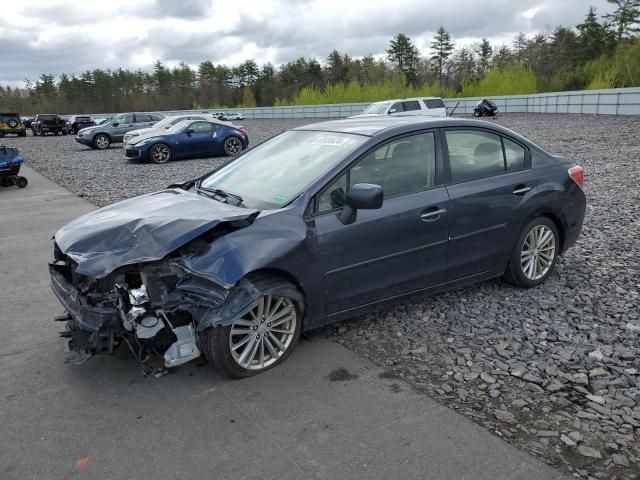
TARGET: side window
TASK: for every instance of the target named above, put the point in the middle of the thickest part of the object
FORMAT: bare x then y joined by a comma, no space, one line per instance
143,117
334,196
201,127
434,103
397,107
400,167
125,119
514,155
410,105
155,118
474,154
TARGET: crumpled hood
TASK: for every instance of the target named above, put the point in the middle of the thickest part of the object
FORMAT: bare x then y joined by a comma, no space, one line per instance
141,229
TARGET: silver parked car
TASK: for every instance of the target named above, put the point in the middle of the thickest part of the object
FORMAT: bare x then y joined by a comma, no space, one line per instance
114,130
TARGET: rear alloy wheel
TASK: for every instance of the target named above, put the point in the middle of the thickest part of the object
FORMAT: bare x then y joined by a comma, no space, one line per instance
535,254
262,338
101,142
160,153
232,146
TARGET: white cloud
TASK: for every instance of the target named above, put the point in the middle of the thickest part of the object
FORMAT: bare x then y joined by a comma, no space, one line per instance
69,37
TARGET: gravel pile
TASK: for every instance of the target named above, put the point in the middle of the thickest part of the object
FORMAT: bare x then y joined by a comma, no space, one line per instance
555,370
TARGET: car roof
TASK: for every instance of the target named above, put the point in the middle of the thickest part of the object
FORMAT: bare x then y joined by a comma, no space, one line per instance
371,126
389,126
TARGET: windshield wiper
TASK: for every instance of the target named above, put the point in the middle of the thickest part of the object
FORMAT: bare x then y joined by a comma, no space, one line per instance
221,193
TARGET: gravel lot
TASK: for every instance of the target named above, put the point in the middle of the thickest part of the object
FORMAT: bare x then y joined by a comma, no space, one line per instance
555,370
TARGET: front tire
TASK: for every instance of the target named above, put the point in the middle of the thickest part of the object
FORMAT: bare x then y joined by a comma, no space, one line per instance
262,338
535,254
232,146
160,153
101,141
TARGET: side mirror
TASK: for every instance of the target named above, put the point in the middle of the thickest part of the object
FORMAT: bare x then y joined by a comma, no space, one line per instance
362,196
392,110
189,131
114,124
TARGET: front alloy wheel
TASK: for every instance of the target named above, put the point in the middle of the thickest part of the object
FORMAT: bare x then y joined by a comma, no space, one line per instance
101,142
232,146
160,153
261,338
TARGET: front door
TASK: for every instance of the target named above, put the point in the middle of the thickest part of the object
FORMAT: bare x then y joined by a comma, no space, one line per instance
125,124
489,181
201,141
396,249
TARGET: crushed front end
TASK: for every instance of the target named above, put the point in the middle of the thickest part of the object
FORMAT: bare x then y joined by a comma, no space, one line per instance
156,309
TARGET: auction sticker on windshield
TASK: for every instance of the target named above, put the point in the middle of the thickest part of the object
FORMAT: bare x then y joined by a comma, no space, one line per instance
328,140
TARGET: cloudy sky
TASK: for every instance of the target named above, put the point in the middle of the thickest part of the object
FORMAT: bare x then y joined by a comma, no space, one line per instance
67,36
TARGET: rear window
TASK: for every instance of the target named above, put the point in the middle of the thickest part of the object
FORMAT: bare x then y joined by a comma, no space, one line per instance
47,117
83,119
9,116
434,103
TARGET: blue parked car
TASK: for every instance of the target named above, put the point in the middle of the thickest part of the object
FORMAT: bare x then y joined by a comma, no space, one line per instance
188,139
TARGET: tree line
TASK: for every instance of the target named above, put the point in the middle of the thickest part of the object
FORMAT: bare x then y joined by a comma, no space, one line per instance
600,52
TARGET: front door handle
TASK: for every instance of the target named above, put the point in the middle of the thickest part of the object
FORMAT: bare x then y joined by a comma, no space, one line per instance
432,214
521,190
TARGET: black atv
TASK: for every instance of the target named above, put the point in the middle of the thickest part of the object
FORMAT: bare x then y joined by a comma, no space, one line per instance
485,108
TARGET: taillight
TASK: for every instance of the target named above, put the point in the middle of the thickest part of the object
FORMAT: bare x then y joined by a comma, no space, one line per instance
41,123
577,175
243,131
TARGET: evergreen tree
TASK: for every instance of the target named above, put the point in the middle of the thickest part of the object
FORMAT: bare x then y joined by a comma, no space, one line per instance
484,52
625,17
404,55
442,46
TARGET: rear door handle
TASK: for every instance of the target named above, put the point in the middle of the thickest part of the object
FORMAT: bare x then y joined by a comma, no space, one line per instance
521,190
432,214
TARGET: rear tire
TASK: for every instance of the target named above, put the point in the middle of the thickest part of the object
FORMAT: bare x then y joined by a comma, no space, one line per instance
254,343
21,182
23,134
534,255
232,146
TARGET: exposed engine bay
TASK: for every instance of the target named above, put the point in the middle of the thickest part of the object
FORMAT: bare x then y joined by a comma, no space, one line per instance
155,309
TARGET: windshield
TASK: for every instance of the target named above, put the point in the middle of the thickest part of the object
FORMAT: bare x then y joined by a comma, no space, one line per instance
178,127
379,107
168,122
275,172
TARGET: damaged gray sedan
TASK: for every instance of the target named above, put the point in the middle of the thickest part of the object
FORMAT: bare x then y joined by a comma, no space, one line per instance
313,226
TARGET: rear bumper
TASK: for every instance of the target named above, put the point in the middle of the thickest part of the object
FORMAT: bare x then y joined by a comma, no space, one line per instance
573,217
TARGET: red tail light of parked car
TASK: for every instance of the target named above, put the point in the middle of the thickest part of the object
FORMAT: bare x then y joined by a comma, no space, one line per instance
577,175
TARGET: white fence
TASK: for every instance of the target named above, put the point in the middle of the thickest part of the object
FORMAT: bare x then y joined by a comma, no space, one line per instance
615,101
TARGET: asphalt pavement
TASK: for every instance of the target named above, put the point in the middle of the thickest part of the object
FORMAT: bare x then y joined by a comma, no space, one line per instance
325,413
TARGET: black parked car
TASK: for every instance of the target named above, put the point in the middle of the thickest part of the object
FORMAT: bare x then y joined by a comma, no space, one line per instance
78,122
49,123
318,224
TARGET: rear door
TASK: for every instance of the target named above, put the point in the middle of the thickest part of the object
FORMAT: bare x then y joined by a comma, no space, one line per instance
396,249
490,177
